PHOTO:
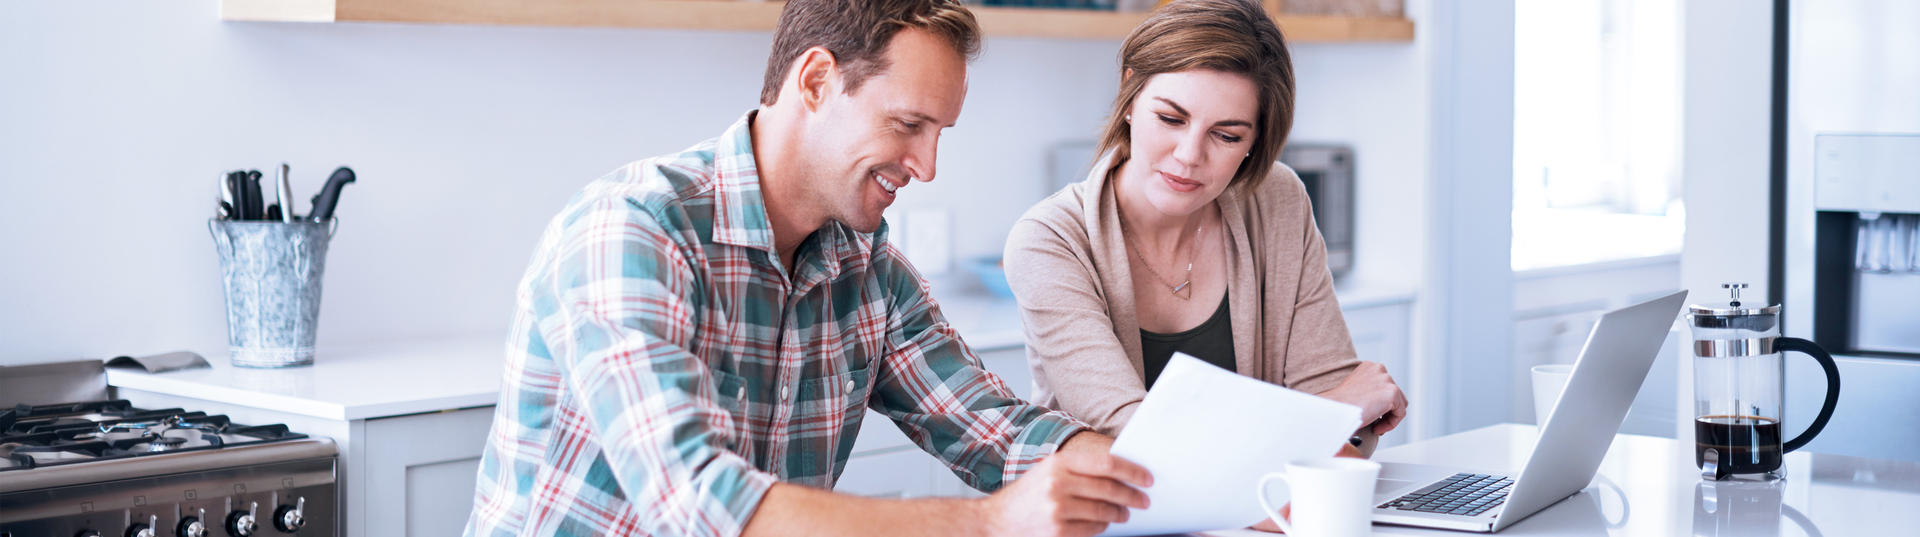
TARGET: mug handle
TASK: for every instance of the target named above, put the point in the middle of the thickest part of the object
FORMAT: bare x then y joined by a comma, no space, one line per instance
1794,344
1265,505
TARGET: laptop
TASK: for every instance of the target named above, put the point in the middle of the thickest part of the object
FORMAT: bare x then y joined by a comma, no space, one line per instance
1605,379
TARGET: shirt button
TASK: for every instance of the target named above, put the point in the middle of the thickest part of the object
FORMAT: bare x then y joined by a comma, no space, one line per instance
849,387
742,394
783,393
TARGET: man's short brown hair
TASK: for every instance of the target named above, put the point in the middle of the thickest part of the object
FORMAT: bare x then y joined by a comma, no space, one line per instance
857,32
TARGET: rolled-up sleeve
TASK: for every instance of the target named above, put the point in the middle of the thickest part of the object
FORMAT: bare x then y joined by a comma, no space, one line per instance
936,390
620,331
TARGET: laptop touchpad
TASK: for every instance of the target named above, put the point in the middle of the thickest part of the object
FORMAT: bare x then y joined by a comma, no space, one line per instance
1383,485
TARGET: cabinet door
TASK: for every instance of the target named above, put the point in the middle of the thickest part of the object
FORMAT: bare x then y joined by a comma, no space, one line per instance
420,471
1380,335
1553,339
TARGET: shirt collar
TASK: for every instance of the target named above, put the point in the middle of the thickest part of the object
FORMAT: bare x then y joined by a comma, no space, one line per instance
740,213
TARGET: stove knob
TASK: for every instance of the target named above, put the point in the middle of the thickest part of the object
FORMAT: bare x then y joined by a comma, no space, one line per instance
241,523
191,526
289,518
144,530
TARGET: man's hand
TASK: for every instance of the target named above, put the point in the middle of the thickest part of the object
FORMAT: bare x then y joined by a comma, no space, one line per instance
1370,388
1078,491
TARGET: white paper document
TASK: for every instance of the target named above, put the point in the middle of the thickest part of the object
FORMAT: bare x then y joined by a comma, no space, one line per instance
1208,434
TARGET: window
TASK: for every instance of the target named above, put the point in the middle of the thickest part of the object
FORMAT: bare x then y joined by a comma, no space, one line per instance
1596,167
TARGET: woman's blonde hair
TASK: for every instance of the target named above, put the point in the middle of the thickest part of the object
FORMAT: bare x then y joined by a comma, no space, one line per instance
1231,36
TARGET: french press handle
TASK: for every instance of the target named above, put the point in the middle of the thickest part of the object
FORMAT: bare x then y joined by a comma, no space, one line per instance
1794,344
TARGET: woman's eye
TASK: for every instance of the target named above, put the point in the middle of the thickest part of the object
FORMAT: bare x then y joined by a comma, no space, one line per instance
1228,138
1174,121
909,126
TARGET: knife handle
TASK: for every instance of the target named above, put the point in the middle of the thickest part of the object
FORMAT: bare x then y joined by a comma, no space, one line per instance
256,200
329,196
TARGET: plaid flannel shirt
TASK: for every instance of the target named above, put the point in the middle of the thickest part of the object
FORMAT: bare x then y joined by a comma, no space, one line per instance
664,371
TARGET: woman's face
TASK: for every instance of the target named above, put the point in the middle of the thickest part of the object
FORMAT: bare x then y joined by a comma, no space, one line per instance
1190,130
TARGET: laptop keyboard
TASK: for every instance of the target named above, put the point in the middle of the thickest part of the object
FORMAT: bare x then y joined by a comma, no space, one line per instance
1462,494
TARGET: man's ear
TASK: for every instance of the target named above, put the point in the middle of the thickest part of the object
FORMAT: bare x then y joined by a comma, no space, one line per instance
818,76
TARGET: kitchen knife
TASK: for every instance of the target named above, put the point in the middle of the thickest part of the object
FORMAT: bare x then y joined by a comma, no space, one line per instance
225,209
284,195
236,186
256,207
330,194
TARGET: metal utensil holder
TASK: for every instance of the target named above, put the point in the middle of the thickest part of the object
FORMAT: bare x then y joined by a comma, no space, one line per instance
271,275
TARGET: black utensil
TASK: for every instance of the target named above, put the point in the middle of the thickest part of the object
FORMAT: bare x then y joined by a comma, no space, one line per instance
236,184
329,195
256,205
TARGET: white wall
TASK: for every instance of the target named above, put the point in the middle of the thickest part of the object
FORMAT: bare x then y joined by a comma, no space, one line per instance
116,119
1468,300
1725,100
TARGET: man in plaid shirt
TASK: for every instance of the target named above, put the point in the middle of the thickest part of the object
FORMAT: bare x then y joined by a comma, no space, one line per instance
699,335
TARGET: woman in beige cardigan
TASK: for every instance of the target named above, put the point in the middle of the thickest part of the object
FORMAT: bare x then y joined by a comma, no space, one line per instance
1186,236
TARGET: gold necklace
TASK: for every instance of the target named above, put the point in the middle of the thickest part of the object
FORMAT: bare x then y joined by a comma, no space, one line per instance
1182,291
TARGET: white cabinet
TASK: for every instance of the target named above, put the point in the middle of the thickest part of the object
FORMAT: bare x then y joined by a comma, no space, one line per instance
1380,332
1554,312
417,472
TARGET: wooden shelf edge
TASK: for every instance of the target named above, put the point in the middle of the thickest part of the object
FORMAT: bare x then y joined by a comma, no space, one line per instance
757,16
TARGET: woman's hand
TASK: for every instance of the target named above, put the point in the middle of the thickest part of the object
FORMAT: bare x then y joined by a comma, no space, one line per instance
1369,387
1267,525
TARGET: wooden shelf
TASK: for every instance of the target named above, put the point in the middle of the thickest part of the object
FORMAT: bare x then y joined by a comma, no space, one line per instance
749,15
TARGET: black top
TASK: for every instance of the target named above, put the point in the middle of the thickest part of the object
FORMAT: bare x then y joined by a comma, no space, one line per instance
1212,341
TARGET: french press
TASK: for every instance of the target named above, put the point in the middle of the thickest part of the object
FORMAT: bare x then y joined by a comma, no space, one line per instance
1739,388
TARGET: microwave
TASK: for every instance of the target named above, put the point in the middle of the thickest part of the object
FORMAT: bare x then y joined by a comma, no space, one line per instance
1325,169
1327,172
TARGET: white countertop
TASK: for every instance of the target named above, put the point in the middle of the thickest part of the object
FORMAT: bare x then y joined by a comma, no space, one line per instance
348,382
1649,486
375,380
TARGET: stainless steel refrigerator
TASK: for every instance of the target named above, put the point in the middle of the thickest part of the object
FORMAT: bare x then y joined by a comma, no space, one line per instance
1846,214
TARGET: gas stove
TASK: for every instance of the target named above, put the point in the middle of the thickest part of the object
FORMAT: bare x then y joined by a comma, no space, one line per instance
106,468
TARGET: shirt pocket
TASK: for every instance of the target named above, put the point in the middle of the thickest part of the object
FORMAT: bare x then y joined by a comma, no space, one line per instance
829,412
730,392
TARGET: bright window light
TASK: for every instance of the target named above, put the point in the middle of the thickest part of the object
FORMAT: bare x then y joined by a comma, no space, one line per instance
1596,163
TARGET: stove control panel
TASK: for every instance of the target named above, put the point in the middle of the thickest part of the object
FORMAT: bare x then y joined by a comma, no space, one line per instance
303,494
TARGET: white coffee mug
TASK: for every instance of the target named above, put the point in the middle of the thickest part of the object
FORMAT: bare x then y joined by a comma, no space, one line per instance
1332,497
1548,381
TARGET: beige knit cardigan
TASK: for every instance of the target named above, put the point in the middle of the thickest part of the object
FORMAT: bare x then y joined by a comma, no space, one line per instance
1067,264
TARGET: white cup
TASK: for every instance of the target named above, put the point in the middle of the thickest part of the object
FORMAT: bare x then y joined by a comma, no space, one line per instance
1548,381
1332,497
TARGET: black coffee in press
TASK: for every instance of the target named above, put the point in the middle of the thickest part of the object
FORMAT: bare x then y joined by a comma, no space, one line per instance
1746,444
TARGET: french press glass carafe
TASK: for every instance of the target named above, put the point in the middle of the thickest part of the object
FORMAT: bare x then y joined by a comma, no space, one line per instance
1739,389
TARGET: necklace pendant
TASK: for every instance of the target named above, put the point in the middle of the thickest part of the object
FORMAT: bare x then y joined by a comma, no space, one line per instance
1183,291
